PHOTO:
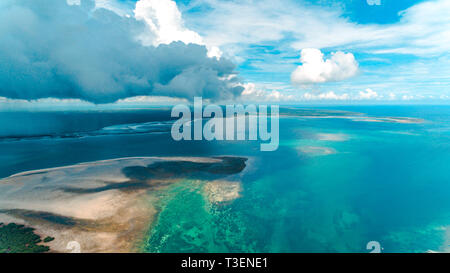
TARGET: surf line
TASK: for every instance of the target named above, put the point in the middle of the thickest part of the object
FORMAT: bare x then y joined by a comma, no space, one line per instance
231,126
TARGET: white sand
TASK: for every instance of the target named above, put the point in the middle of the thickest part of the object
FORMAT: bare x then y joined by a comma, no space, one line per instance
112,220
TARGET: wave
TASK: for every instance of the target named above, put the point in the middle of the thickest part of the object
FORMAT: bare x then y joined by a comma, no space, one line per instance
119,129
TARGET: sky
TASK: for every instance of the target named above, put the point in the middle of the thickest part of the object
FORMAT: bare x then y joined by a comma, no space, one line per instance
138,52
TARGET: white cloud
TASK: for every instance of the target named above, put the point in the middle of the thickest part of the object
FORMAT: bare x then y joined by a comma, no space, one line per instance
373,2
164,20
315,69
64,104
73,2
326,96
151,100
253,93
166,25
407,97
368,94
423,29
119,8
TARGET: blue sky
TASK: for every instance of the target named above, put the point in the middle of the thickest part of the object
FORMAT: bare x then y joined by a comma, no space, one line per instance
355,51
398,45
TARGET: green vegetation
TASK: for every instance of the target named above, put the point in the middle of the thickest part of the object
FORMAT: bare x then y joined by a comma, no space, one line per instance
48,239
20,239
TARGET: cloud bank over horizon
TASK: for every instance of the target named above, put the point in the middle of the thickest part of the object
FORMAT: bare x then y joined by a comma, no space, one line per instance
53,49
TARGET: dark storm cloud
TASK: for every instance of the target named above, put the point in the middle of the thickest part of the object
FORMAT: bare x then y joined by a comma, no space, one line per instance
51,49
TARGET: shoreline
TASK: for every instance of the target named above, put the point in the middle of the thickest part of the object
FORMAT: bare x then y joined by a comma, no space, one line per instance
106,205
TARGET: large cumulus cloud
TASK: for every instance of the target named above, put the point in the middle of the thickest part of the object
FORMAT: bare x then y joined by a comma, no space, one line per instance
51,49
315,69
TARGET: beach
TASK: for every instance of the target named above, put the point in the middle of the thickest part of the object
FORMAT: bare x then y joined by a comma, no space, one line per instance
105,206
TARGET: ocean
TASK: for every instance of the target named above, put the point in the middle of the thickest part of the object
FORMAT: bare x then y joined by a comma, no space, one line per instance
338,180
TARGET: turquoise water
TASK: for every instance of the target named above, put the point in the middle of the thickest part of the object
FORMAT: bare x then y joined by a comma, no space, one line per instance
333,185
